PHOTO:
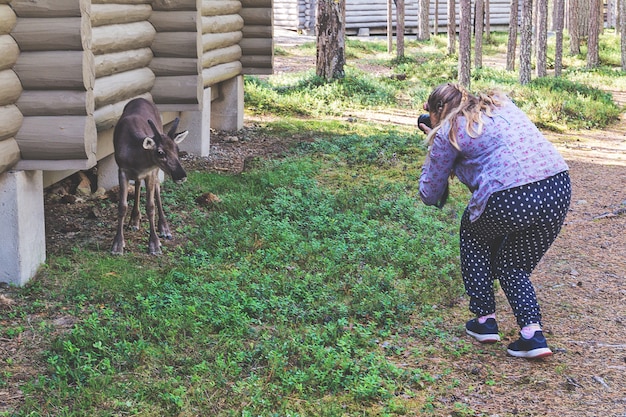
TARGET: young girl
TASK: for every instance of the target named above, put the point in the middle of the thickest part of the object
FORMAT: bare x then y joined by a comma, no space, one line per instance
520,195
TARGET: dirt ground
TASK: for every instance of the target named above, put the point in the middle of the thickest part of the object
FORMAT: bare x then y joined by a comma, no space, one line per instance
581,282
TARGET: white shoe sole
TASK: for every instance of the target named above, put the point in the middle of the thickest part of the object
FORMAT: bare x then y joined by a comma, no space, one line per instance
531,354
484,338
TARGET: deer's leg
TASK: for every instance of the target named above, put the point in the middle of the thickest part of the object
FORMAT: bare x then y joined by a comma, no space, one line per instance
154,245
164,228
135,217
118,242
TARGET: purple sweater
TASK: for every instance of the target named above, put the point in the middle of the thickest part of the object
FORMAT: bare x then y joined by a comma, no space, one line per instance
510,152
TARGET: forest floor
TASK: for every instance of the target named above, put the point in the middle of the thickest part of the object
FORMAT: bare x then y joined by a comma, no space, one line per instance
581,283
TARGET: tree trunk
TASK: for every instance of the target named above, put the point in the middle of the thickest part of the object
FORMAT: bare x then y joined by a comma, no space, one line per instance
487,19
479,16
399,29
451,27
573,27
331,39
423,15
512,43
622,29
542,37
389,26
465,47
559,7
525,66
593,41
436,19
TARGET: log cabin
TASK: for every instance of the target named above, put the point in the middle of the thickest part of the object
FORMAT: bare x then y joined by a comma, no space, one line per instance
68,68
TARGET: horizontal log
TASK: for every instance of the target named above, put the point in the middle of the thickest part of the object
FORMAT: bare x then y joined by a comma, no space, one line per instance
106,117
260,61
221,56
56,70
257,71
57,137
175,66
212,41
10,121
121,1
9,154
222,24
7,19
176,44
109,14
116,38
57,33
118,87
257,31
109,64
257,16
51,8
258,3
175,21
56,103
10,87
219,73
174,5
9,51
178,90
257,46
66,166
219,8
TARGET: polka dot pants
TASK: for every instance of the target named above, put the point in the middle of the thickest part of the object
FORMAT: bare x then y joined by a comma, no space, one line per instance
507,242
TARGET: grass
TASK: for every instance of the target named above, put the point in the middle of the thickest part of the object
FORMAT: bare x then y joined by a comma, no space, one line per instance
305,291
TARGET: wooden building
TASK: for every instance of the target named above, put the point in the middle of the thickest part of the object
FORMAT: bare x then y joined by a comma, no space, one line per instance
68,68
370,16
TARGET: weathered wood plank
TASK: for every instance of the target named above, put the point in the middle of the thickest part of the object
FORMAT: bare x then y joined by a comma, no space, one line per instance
222,24
109,64
7,19
212,41
56,103
117,38
178,90
218,8
54,34
10,121
222,72
54,70
221,56
10,87
175,21
176,44
175,66
118,87
51,8
57,137
257,16
174,4
109,14
9,51
9,154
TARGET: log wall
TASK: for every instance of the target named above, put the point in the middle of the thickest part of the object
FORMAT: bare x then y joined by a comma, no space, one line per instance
10,90
372,15
55,61
68,68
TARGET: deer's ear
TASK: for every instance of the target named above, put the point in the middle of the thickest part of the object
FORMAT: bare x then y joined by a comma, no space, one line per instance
149,143
181,136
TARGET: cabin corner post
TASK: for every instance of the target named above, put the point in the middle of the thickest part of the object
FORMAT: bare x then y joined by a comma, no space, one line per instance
198,123
227,110
23,226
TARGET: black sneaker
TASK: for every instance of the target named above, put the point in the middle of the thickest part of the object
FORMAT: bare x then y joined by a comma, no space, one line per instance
534,348
484,333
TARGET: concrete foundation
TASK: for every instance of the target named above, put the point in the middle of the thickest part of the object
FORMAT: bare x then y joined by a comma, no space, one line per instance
198,123
227,109
107,172
22,225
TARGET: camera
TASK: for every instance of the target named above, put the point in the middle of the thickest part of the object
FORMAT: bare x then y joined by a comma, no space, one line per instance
424,119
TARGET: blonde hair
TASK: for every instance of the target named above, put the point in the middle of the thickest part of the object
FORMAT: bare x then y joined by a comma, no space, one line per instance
450,100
